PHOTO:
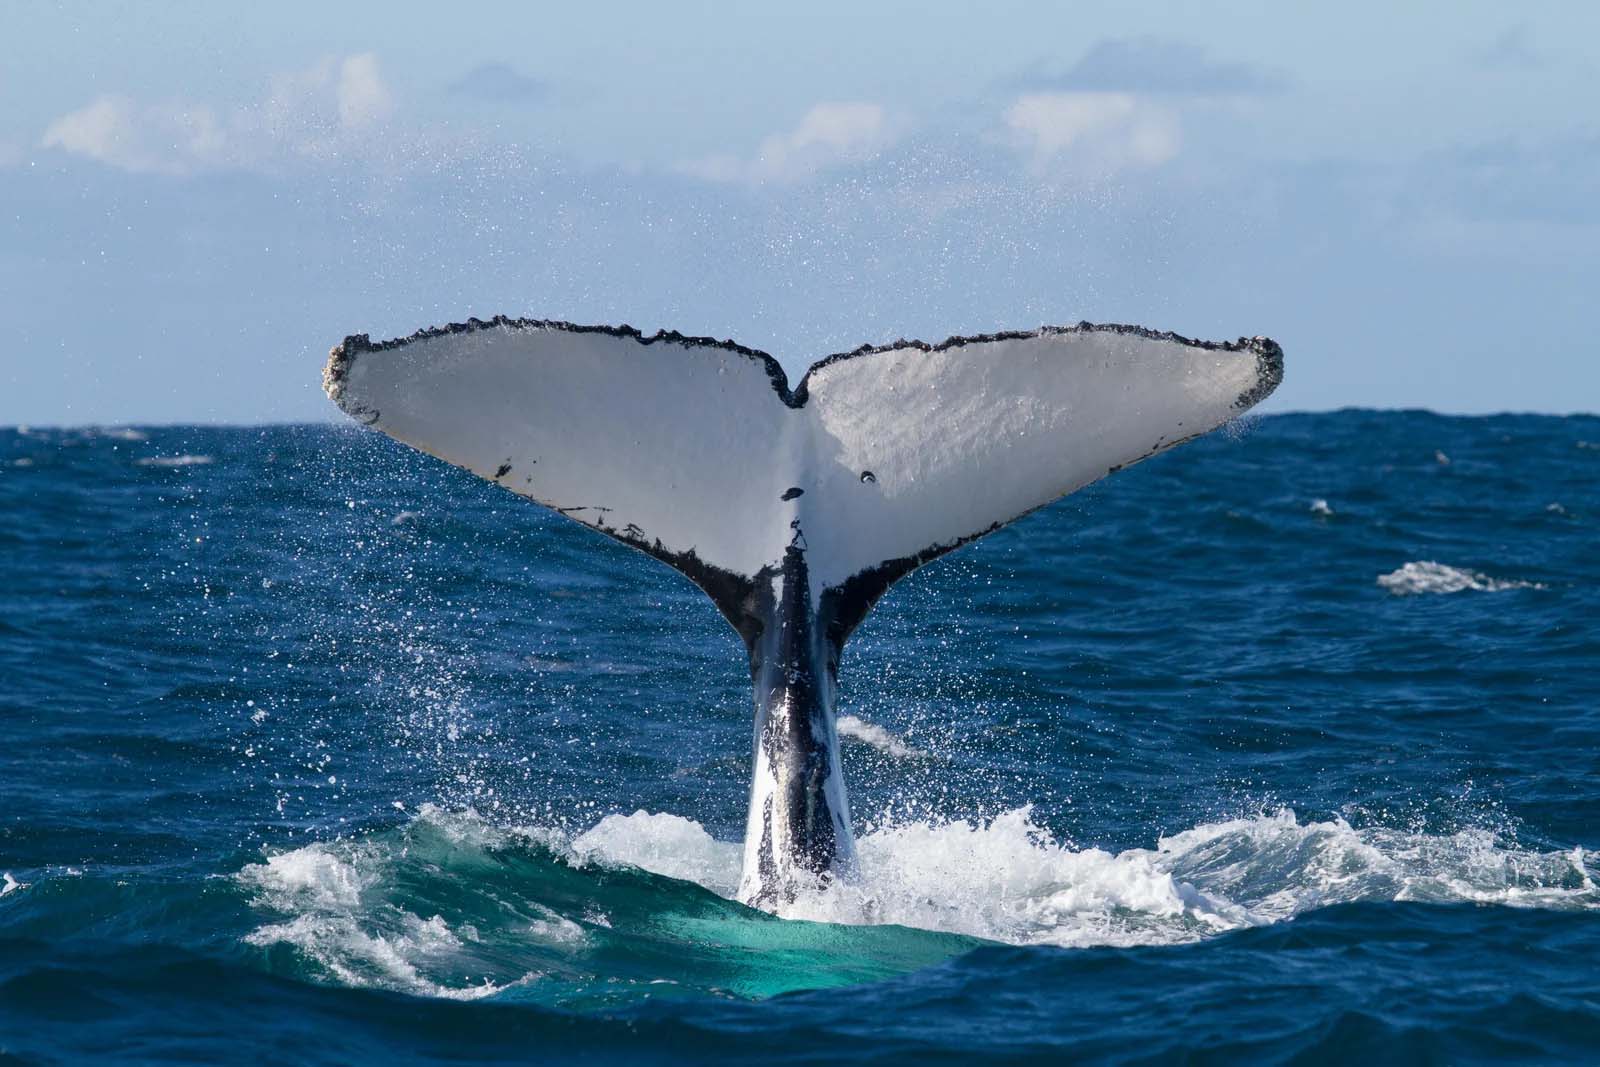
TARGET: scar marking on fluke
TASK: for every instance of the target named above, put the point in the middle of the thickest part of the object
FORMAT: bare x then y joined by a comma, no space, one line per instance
791,493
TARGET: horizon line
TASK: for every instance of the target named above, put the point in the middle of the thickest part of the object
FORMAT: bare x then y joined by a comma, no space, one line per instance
336,422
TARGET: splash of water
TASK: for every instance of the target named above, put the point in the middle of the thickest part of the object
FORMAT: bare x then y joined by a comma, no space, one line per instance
452,905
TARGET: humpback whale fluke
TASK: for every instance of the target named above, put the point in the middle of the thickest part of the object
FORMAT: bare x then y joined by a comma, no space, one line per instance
795,509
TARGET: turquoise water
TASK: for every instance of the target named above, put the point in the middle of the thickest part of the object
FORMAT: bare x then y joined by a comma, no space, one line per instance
1281,747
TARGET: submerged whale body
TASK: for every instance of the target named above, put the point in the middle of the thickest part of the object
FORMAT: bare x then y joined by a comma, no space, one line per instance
794,509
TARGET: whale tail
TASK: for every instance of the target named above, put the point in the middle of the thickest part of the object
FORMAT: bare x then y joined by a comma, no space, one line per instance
795,509
700,454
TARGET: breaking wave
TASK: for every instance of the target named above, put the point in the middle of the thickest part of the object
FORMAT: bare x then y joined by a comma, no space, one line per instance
451,905
1426,576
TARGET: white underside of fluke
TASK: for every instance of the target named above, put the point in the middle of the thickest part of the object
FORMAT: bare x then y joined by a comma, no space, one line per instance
695,446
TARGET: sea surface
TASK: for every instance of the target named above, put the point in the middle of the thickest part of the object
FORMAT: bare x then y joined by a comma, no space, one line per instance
1280,748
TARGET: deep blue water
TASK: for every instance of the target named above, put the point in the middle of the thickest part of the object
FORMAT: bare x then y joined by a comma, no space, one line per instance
1283,747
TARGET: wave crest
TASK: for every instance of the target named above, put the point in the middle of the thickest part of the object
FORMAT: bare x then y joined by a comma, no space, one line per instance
1427,576
452,905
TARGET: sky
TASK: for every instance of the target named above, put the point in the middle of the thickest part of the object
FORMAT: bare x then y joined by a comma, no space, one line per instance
198,200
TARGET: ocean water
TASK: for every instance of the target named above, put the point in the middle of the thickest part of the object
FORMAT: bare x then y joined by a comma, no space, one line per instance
1282,747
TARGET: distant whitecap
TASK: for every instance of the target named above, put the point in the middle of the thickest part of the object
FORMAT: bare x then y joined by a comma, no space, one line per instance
174,461
1427,576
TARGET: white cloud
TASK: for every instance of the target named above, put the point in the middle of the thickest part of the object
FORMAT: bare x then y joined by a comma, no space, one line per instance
363,97
1093,134
829,135
318,113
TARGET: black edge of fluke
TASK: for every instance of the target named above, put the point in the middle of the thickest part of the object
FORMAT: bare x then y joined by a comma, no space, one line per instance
345,352
1269,355
1269,371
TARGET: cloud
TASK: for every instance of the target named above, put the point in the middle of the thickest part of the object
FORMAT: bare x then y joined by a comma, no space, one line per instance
362,95
320,113
829,135
499,83
1155,65
1120,106
1093,134
114,130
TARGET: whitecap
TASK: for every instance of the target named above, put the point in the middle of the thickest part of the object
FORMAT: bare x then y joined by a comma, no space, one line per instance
391,960
1320,507
337,913
311,878
663,844
1427,576
343,906
175,461
10,884
1009,880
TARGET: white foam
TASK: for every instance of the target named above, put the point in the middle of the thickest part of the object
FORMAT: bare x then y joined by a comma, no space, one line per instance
356,957
174,461
876,736
342,905
663,844
1426,576
1009,880
1282,867
1320,506
10,884
311,878
554,928
337,914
